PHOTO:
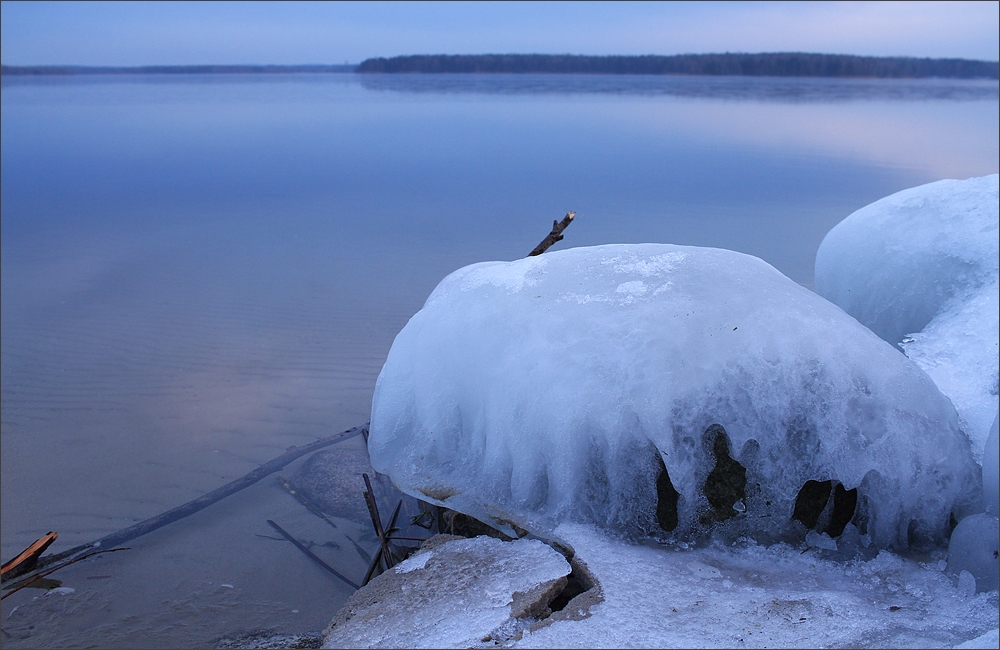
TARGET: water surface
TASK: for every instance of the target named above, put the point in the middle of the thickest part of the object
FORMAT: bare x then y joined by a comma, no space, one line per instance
200,271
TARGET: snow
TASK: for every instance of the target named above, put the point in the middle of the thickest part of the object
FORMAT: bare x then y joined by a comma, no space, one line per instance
756,596
549,389
920,268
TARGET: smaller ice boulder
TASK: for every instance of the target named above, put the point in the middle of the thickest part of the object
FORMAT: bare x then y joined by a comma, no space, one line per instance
991,470
975,547
920,268
651,388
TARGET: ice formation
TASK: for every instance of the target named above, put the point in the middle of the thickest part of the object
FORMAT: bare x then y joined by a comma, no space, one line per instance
920,268
584,385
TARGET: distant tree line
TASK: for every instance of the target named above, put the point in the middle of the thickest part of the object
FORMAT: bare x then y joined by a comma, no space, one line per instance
780,64
170,69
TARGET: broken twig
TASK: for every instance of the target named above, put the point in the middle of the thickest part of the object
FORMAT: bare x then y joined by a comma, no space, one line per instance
315,558
191,507
26,560
556,235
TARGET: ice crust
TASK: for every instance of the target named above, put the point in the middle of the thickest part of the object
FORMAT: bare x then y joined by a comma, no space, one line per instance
543,390
747,595
920,268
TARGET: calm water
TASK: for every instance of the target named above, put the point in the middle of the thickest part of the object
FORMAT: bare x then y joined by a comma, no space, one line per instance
198,272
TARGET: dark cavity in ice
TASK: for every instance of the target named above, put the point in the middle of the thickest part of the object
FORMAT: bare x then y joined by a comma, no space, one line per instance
816,511
666,499
726,483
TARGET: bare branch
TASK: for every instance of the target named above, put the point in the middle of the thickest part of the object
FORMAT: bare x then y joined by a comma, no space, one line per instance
556,235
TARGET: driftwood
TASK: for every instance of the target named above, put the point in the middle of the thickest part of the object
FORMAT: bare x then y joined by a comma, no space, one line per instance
191,507
28,558
312,556
27,581
556,235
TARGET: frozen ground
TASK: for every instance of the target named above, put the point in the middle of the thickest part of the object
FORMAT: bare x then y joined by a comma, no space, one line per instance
728,596
745,595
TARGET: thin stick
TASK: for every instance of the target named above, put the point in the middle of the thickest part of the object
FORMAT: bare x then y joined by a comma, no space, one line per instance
554,236
377,522
371,568
27,582
191,507
395,516
315,558
304,501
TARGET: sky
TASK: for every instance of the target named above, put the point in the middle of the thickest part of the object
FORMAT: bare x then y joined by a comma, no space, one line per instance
187,33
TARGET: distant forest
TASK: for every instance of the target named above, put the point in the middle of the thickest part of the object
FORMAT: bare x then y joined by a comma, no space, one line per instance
782,64
170,69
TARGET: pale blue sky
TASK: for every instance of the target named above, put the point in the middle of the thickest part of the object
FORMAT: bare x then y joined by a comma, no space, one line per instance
145,33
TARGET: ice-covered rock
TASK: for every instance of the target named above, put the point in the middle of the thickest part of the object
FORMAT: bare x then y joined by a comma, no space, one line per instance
920,268
581,385
460,594
974,548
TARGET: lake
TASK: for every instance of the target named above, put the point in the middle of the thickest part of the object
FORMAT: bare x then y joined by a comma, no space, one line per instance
201,271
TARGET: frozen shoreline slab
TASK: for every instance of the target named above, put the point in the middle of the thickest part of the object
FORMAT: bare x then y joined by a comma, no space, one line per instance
462,593
580,386
920,268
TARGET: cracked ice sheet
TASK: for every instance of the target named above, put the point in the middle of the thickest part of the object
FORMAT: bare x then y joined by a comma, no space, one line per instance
755,596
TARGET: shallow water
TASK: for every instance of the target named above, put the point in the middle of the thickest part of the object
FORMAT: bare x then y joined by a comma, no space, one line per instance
198,272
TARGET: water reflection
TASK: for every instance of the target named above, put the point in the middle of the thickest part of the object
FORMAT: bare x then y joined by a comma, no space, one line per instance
770,89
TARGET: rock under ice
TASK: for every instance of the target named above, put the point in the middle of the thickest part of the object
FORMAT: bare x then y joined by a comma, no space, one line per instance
920,268
583,385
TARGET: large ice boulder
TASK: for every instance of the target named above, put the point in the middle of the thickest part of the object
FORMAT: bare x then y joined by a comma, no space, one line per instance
920,268
583,385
